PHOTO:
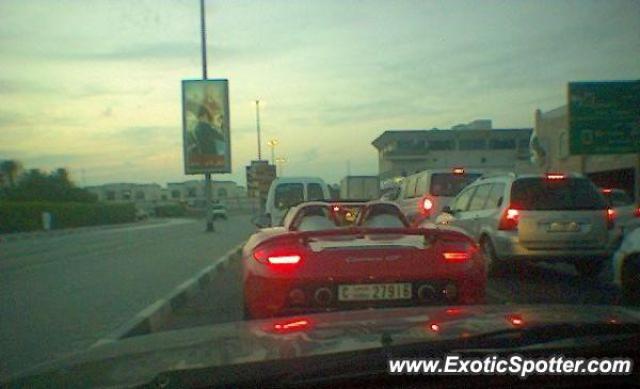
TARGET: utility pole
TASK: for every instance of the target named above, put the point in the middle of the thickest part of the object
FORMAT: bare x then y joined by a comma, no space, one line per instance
207,176
258,129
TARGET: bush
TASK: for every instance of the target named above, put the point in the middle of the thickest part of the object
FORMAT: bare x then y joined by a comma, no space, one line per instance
27,216
170,211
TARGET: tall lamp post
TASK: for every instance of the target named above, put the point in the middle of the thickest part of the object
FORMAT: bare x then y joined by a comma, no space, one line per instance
273,143
280,162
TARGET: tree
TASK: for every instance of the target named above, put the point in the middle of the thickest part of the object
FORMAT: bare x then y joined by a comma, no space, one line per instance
36,185
10,168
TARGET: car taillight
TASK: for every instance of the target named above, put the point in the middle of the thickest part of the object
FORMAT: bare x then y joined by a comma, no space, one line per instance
555,176
636,213
509,219
611,218
277,256
456,256
458,170
425,206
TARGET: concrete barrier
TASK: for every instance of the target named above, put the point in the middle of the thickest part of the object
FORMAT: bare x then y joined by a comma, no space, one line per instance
156,315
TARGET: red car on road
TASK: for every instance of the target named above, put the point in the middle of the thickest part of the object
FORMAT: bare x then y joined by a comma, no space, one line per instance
340,256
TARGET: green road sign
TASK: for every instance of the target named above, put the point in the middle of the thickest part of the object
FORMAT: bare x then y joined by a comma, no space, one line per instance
604,117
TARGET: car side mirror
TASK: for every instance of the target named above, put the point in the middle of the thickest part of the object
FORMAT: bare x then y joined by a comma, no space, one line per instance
447,209
262,221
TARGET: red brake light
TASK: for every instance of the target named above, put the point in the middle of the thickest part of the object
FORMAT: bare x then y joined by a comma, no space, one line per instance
636,213
555,176
458,170
606,191
277,256
509,219
427,204
515,320
611,218
456,256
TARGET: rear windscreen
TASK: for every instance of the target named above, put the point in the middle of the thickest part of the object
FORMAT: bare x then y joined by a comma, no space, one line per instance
541,194
449,184
288,195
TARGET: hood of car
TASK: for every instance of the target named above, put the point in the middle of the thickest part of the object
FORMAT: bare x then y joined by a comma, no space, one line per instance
137,360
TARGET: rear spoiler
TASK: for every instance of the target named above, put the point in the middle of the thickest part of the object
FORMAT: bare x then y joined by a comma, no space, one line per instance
431,234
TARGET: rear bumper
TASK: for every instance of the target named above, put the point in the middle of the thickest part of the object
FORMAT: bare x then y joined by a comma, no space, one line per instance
507,246
270,297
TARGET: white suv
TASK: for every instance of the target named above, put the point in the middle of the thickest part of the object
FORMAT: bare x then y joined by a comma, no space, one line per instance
553,217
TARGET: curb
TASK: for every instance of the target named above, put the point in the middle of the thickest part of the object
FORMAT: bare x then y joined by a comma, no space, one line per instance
157,314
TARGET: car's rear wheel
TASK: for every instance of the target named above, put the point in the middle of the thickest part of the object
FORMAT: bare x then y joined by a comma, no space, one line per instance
494,266
589,268
631,281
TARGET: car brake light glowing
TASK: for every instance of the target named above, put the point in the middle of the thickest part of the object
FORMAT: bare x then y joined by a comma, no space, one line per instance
427,204
611,218
555,176
292,325
509,220
515,320
606,191
284,259
277,256
434,327
456,256
636,213
458,170
336,208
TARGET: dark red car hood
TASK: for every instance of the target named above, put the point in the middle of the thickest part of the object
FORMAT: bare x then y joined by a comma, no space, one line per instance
137,360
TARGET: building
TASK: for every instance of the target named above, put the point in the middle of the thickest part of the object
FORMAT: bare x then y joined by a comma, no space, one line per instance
193,193
473,146
260,174
145,196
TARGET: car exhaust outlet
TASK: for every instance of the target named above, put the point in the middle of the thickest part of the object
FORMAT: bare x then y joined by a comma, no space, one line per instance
297,297
426,293
323,296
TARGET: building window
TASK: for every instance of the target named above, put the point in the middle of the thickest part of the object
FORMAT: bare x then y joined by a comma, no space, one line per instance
222,192
441,145
164,197
175,194
191,193
139,195
472,144
111,195
502,144
126,195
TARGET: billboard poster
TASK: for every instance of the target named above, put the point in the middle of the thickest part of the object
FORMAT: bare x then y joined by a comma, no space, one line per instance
205,126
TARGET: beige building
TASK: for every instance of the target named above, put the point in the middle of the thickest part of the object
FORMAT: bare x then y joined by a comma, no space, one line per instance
473,146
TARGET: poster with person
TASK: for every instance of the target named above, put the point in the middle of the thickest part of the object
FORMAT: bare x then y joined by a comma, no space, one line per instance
205,115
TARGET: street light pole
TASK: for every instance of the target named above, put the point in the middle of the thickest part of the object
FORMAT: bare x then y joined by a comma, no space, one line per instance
280,161
258,129
207,176
273,143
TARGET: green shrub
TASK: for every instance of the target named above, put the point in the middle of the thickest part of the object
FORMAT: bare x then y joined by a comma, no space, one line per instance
27,216
170,211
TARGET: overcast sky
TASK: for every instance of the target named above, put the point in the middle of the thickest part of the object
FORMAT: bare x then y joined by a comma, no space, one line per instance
95,85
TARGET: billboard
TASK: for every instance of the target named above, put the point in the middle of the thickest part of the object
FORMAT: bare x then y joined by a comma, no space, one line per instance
205,126
604,117
260,174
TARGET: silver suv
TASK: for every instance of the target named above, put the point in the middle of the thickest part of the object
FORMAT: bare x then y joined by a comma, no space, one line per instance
553,217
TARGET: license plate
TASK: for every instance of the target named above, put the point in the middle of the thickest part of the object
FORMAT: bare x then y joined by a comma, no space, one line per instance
563,227
374,292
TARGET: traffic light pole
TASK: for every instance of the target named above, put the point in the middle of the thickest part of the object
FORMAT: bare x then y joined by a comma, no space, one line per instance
207,176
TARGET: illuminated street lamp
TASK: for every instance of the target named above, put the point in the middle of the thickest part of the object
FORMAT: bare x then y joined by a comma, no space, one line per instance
273,143
280,162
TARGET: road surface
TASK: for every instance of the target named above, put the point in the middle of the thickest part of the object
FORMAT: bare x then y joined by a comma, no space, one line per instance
61,294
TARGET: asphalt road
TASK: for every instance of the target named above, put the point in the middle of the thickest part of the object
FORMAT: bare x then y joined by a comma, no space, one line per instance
61,294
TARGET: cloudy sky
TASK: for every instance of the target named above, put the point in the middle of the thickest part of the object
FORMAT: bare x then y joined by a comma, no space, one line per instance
95,85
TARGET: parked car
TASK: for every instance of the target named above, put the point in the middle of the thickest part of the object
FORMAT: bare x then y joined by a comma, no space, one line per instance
141,214
287,192
339,256
424,194
627,212
219,211
552,217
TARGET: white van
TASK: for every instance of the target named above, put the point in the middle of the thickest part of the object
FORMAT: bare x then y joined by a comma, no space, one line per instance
425,193
287,192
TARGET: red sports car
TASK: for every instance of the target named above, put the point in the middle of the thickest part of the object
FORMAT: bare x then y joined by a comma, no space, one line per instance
339,256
